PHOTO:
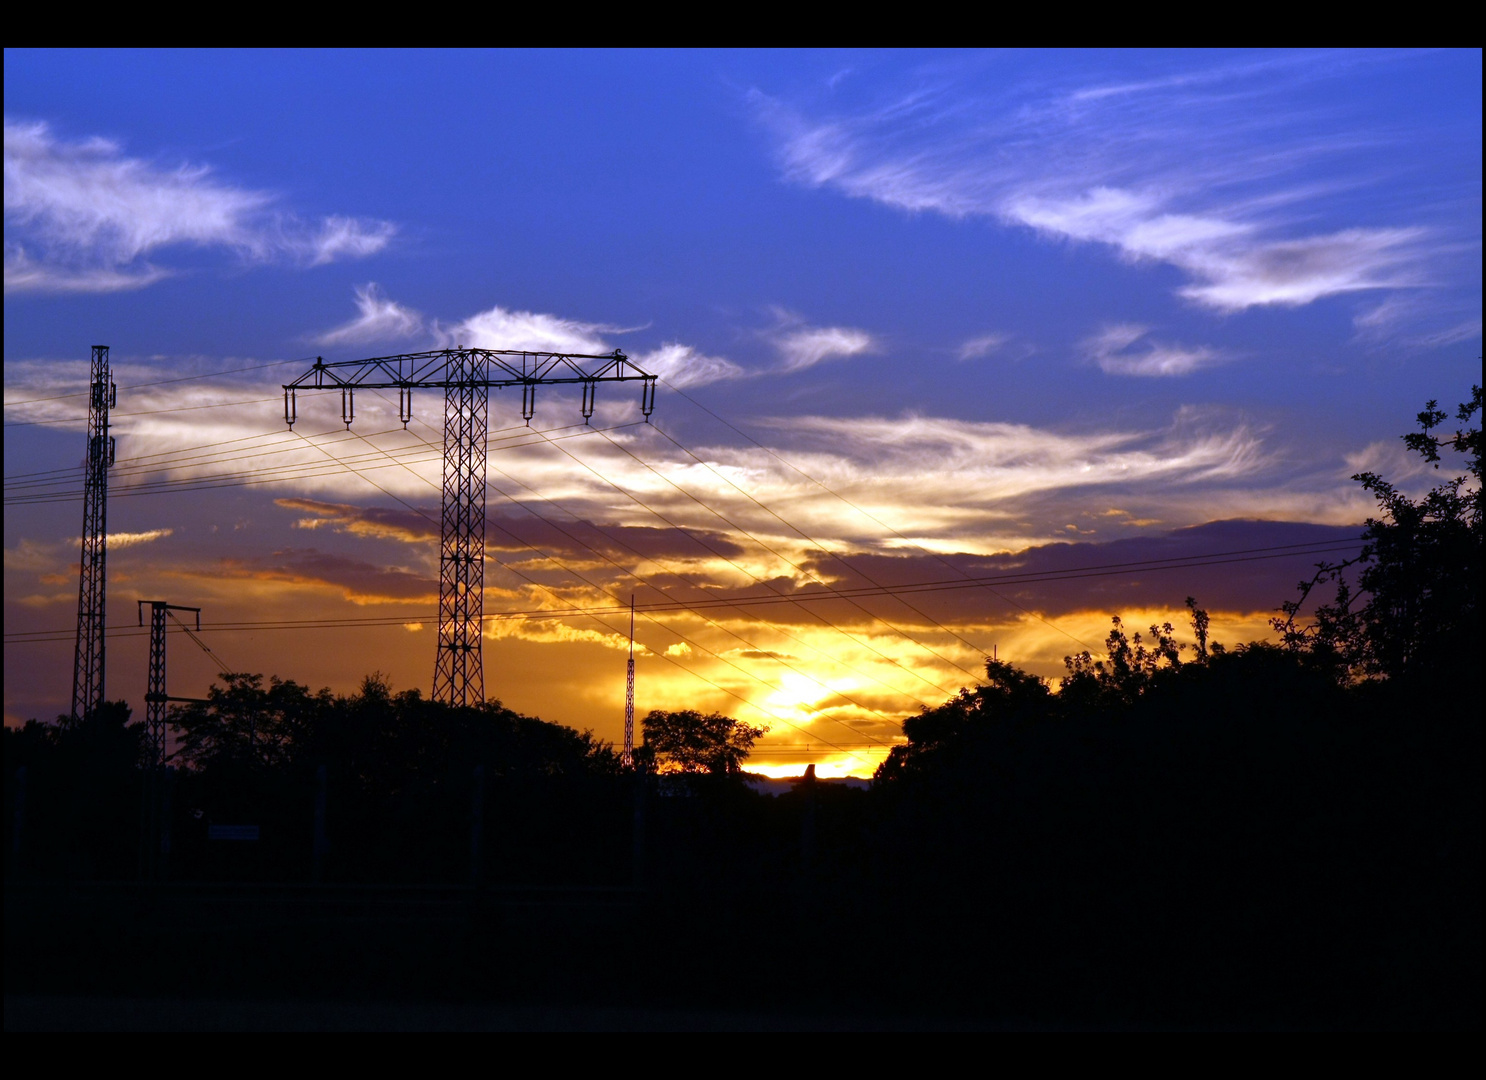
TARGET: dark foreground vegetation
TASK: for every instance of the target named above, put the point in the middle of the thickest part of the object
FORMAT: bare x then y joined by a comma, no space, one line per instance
1184,834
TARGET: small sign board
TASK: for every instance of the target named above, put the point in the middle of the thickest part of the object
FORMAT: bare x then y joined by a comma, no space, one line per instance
232,832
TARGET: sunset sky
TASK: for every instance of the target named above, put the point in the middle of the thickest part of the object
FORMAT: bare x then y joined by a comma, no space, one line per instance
918,317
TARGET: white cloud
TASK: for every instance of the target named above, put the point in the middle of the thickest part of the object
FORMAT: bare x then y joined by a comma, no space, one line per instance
1388,458
983,346
1187,170
803,346
82,216
343,237
1233,264
128,539
1407,319
944,484
25,274
809,346
1112,350
534,331
379,319
683,366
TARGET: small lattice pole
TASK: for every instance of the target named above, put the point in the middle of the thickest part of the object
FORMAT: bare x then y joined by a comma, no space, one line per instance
627,759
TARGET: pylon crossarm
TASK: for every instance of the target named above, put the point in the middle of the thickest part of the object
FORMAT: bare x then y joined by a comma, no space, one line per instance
440,370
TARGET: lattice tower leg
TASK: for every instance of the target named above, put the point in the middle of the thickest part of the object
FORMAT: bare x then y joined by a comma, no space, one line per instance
627,759
87,667
458,677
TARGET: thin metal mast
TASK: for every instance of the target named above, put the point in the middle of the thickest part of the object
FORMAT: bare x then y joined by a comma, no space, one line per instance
627,759
87,665
466,377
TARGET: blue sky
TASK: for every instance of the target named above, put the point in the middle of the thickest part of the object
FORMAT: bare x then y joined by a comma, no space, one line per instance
997,299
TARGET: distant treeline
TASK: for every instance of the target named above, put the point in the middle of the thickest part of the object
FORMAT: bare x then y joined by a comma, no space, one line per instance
1183,832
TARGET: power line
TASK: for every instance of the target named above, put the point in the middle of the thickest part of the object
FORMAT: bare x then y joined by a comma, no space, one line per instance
142,412
163,382
222,665
821,547
858,509
711,622
40,492
685,577
689,641
1278,551
737,566
668,659
798,570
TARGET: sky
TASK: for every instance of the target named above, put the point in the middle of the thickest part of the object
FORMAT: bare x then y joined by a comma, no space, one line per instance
1049,320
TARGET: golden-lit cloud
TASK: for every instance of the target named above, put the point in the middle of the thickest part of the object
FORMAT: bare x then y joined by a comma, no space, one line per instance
748,547
129,539
358,581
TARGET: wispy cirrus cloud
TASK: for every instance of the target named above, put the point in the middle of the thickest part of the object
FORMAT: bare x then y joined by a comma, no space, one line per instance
979,347
1232,264
131,539
1115,350
82,216
1212,172
683,366
378,319
803,346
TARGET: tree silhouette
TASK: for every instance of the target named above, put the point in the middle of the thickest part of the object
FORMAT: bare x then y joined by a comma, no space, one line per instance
1131,667
1415,608
693,742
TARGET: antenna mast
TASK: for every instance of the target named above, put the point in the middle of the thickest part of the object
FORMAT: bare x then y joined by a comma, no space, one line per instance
627,759
87,666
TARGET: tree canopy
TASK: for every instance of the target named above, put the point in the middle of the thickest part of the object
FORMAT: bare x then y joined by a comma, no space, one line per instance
1412,606
694,742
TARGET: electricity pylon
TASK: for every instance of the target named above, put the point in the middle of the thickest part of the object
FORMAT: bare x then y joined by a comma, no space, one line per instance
465,376
87,665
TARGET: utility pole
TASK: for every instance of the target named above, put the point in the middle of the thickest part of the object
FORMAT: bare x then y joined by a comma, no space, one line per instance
627,759
155,834
465,376
87,665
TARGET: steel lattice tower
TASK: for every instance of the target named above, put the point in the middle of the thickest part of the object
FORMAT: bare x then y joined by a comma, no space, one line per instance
87,666
458,676
465,376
